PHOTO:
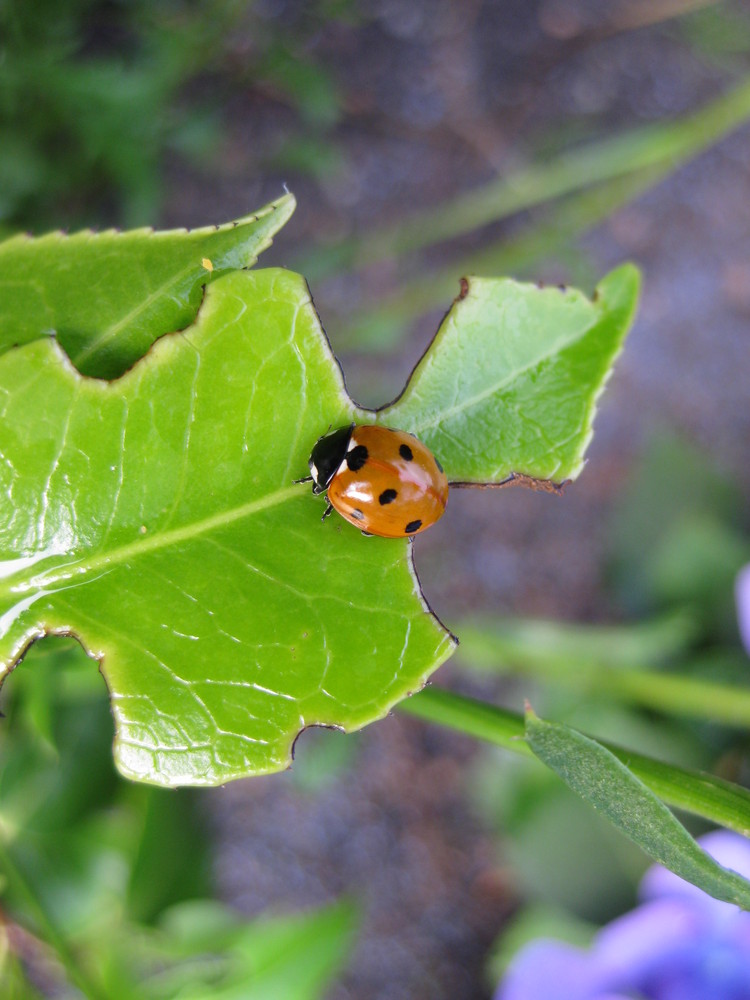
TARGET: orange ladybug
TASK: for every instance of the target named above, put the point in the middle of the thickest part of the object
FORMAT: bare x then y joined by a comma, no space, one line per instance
383,481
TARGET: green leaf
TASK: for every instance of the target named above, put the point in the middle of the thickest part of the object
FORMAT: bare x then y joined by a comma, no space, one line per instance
612,789
156,518
108,296
511,381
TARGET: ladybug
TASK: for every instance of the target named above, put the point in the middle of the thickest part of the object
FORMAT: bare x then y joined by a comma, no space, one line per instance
383,481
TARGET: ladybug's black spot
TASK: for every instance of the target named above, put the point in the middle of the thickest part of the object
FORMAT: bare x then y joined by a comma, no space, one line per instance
406,452
412,526
356,457
387,496
357,514
437,463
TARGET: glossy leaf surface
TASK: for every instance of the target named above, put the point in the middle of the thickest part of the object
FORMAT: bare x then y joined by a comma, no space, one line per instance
107,296
155,516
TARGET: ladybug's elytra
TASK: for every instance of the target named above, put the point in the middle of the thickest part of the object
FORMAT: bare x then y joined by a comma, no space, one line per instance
383,481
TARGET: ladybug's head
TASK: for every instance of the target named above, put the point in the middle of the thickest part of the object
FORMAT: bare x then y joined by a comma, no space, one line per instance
327,456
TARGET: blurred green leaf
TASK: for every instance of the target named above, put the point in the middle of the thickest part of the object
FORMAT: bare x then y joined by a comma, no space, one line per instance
203,950
676,537
695,564
108,296
309,86
40,791
666,144
610,661
497,643
95,93
321,756
171,857
718,31
612,789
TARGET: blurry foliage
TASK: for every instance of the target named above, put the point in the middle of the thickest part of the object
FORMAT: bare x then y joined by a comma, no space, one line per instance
570,193
95,93
678,537
720,32
322,756
109,880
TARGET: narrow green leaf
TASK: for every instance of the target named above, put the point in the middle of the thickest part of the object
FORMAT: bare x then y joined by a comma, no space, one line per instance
380,326
494,643
662,144
692,791
592,183
511,381
108,296
607,660
595,774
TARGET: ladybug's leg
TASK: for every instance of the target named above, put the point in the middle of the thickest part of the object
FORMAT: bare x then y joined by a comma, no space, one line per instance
367,534
327,511
307,479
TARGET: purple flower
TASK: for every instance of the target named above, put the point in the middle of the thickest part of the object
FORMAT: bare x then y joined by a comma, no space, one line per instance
679,944
742,593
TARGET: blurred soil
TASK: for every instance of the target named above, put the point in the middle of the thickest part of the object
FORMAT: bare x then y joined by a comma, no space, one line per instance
440,97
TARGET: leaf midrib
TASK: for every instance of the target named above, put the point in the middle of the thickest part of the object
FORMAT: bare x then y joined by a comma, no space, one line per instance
557,348
146,543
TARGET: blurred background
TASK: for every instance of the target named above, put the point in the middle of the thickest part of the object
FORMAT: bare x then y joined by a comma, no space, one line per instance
545,139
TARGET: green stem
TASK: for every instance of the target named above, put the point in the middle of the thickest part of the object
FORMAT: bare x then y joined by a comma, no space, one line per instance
53,935
692,791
